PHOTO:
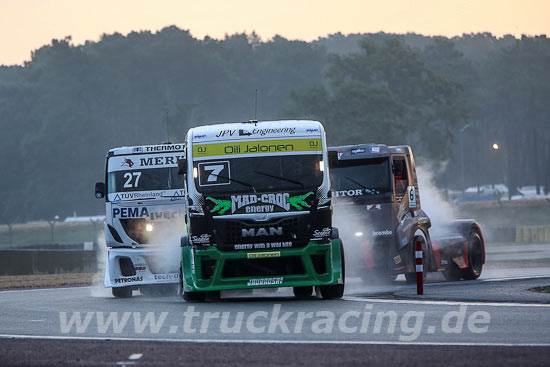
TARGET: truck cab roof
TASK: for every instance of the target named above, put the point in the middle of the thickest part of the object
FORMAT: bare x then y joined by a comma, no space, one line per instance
144,149
253,130
360,151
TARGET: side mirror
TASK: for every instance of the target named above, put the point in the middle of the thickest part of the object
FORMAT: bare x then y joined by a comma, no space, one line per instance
182,166
332,158
184,241
99,190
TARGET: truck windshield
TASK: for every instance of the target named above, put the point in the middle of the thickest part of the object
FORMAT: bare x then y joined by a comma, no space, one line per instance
148,179
369,177
259,174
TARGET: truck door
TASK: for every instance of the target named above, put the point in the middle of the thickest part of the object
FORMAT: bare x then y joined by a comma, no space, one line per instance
400,177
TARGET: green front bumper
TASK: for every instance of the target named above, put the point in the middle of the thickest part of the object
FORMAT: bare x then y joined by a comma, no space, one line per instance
210,269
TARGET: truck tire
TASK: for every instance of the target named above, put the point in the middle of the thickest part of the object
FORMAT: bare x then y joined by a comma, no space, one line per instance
452,272
475,257
122,292
335,291
194,297
303,292
411,277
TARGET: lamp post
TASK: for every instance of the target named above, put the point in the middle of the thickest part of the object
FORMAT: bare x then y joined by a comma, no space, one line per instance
52,228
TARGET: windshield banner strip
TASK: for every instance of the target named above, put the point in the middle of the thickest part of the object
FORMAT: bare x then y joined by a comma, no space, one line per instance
288,146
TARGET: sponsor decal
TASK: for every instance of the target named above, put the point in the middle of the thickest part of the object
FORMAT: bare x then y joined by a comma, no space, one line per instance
128,280
397,259
135,195
325,232
164,148
160,161
262,246
312,130
200,136
340,154
202,239
171,276
374,207
357,151
355,192
265,281
263,255
385,232
260,203
143,212
375,149
137,150
140,267
262,232
127,162
261,132
404,241
312,145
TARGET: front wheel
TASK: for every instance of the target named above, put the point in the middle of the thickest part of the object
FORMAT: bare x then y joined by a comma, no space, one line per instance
122,292
303,292
194,297
336,291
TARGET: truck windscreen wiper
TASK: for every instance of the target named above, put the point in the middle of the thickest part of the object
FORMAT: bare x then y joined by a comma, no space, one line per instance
281,178
355,182
237,181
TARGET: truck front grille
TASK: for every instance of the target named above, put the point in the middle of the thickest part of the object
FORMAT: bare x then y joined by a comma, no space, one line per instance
242,268
290,229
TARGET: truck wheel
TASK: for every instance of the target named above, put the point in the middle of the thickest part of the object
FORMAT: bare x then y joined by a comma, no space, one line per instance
337,290
452,272
411,277
475,258
303,292
194,297
122,292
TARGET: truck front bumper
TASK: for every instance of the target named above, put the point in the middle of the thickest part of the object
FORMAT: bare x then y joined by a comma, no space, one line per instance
213,270
134,267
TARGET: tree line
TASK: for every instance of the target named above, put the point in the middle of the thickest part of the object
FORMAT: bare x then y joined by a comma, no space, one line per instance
448,98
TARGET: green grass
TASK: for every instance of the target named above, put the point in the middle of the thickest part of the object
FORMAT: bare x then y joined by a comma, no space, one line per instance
541,289
40,233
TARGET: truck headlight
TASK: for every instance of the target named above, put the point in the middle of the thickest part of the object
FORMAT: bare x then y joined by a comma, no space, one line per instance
149,227
358,234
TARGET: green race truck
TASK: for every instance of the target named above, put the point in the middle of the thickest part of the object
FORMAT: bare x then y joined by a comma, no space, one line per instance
259,210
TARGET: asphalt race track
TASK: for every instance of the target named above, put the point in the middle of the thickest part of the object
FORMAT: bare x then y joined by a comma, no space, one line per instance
492,321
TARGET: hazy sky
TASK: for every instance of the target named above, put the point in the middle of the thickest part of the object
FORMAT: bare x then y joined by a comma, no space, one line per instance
28,24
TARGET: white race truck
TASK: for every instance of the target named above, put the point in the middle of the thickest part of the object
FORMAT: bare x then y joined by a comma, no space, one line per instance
145,218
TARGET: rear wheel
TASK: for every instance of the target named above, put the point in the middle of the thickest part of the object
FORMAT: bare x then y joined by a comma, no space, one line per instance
122,292
452,272
195,297
475,258
336,290
303,292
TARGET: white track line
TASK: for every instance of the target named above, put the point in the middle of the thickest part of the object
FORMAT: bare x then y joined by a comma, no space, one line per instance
254,341
445,303
41,289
